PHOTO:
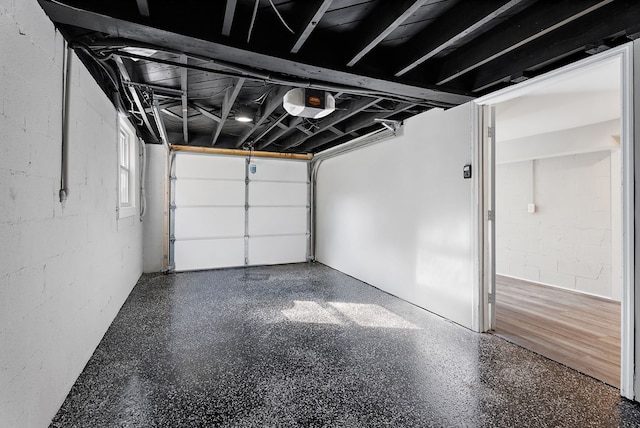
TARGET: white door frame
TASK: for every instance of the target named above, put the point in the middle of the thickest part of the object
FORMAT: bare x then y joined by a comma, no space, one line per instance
625,55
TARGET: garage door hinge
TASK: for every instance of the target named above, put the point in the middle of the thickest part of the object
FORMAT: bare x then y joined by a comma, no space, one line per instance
173,207
172,239
492,298
246,207
491,216
490,132
173,178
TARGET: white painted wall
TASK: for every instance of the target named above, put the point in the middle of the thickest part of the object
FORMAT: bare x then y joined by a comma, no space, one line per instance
65,271
552,112
154,217
567,242
398,215
584,139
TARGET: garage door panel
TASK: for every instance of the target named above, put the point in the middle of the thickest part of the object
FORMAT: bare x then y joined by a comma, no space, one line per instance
277,193
277,220
279,170
209,222
277,250
208,254
213,167
209,192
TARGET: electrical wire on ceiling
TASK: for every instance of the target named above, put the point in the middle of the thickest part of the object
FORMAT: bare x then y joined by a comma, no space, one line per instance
275,9
311,124
255,14
104,56
262,98
113,76
235,70
281,80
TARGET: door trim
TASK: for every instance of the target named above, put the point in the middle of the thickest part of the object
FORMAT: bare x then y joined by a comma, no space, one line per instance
625,55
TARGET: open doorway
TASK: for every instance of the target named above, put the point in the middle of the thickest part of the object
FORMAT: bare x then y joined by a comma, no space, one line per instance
558,231
558,257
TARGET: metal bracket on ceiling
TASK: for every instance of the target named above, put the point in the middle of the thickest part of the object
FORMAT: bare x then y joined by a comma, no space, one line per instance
390,124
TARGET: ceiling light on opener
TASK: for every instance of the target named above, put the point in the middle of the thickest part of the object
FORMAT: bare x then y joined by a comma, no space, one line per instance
244,115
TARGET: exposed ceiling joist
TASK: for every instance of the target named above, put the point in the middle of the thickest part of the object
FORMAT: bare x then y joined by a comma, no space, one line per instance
369,118
158,89
206,113
304,130
277,122
452,49
273,101
169,113
358,123
336,131
293,123
164,137
283,68
143,7
312,21
514,34
388,17
229,98
456,25
570,38
134,94
185,108
168,104
229,13
353,107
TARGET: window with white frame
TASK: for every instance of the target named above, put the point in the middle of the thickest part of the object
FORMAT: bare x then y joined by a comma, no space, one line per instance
126,169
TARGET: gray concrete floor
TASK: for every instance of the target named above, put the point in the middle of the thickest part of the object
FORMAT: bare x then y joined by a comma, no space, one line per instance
304,345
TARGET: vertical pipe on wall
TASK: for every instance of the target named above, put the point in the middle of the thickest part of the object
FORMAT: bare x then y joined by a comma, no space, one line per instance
66,92
143,196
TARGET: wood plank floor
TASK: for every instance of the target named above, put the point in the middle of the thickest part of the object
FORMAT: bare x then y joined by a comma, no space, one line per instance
577,330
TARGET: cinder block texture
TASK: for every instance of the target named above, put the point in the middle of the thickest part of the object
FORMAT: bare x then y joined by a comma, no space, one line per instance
567,241
66,269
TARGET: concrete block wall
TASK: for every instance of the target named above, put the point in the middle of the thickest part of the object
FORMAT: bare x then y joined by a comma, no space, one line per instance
567,242
65,270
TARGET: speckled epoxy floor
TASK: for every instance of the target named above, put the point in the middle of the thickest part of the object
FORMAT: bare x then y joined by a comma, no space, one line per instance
304,345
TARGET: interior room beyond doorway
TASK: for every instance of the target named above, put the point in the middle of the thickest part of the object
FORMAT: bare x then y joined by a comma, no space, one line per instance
559,220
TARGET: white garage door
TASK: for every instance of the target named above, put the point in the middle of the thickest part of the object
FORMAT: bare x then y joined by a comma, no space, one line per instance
230,211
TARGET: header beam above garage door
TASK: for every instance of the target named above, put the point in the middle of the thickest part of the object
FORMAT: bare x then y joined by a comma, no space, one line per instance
256,154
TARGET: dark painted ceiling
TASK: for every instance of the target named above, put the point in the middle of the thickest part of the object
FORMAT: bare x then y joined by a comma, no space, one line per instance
190,66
